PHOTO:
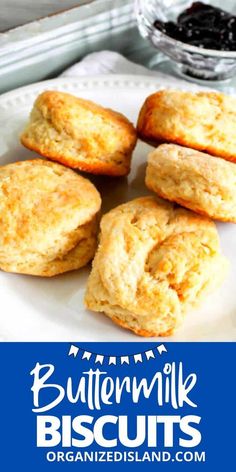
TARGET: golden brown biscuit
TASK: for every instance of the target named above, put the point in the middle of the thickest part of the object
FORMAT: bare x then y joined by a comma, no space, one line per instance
193,179
154,262
204,120
80,134
48,218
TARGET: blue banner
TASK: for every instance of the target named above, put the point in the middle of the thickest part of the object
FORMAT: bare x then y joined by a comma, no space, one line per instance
94,406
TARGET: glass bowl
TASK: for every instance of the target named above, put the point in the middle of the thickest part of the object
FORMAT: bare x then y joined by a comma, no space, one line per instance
192,61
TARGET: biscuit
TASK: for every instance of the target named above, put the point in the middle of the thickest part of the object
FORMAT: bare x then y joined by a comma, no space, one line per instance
48,221
193,179
154,262
80,134
205,121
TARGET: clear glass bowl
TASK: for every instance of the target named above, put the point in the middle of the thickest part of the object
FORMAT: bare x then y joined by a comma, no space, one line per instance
192,61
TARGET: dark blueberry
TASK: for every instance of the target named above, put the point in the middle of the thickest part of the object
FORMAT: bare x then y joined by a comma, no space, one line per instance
204,26
230,36
172,29
227,36
231,25
160,25
189,33
197,33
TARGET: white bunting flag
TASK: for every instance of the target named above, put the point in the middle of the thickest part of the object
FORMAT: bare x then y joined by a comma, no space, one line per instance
124,360
137,358
86,355
73,350
161,348
99,359
150,354
112,360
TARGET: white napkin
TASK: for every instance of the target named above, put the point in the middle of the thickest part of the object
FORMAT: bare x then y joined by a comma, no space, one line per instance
107,62
110,62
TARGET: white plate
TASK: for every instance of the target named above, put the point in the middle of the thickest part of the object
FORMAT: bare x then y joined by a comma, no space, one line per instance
37,309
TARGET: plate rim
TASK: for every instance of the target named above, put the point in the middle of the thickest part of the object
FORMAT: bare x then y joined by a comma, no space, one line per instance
102,80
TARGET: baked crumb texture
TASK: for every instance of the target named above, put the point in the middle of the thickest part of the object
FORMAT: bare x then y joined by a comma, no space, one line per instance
48,218
205,121
80,134
193,179
155,262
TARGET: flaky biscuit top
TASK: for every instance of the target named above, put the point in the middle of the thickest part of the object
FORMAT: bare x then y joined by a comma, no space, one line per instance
193,179
41,204
154,261
203,120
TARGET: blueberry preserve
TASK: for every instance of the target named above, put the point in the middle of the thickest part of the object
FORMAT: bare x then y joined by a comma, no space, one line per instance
203,26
